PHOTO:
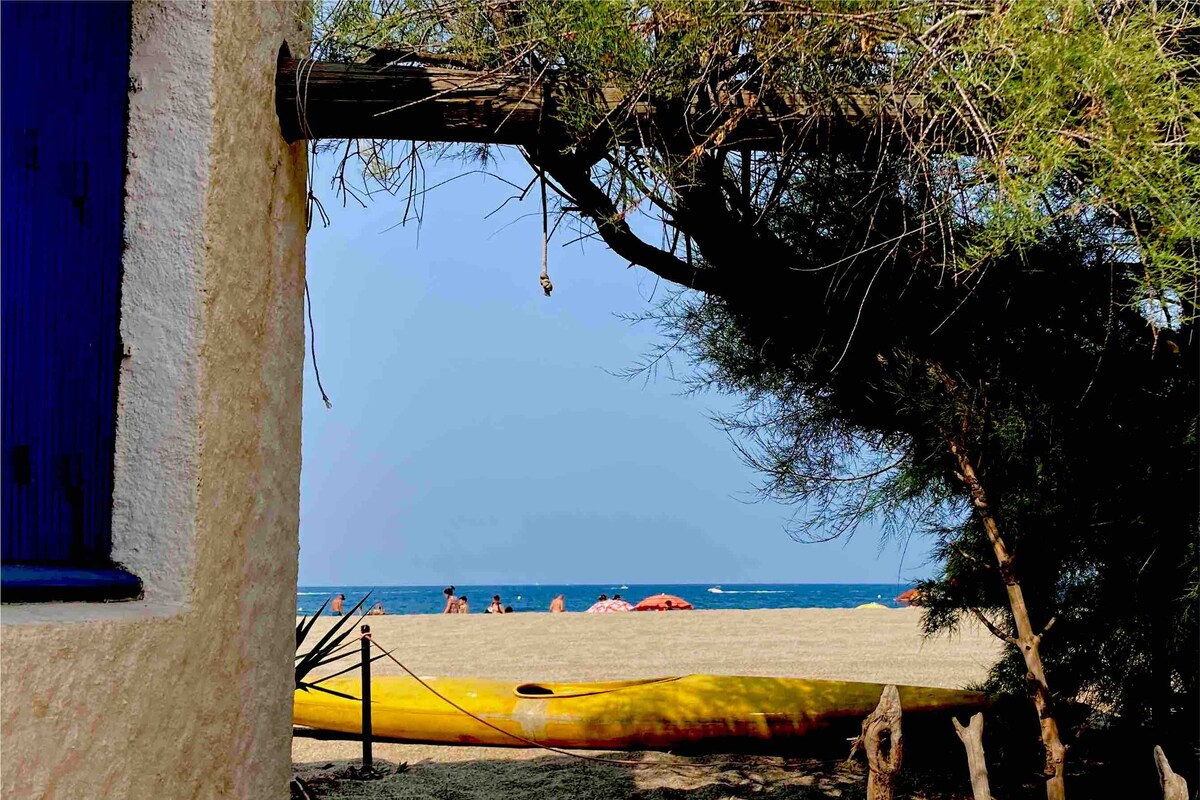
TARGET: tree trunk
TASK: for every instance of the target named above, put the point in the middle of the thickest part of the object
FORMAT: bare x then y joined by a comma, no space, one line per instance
882,742
1026,641
972,739
1174,787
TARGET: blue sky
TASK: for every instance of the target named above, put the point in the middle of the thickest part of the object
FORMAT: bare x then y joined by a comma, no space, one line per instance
478,434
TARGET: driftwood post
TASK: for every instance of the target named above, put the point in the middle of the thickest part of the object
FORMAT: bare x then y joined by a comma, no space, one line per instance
972,739
881,741
1174,787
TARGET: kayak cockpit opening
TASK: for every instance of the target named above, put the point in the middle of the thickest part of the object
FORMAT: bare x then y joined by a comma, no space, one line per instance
549,690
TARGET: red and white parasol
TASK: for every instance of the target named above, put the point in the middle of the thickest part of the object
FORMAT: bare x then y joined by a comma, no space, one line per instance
608,606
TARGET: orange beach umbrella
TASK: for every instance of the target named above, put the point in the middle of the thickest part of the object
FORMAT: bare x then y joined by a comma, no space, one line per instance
663,602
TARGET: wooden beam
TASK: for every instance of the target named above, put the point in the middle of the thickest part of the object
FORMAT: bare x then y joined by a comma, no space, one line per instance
324,100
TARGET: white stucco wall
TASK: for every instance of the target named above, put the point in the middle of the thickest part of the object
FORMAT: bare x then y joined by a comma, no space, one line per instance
169,147
187,693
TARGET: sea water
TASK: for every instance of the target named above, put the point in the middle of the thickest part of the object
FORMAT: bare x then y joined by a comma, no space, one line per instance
429,599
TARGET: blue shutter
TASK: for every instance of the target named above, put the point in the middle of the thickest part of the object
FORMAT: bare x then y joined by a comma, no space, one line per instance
64,84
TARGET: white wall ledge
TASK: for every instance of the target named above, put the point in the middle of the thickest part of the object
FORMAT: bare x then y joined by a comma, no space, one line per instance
18,614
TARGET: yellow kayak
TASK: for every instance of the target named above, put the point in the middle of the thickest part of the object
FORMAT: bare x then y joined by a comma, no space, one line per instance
650,714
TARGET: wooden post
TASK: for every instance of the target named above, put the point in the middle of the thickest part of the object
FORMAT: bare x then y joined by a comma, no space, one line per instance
367,760
972,739
1174,787
883,745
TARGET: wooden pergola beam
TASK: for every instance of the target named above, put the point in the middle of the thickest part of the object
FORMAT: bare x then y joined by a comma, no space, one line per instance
324,100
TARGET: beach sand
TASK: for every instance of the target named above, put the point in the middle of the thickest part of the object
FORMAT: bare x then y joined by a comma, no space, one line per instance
879,645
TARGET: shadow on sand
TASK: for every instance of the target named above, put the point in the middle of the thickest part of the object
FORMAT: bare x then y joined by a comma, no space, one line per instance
659,777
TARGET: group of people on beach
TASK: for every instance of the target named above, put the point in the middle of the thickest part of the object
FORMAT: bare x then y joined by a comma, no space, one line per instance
459,605
454,605
559,604
603,604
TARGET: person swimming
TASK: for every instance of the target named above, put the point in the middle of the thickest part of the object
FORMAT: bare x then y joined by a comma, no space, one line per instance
451,601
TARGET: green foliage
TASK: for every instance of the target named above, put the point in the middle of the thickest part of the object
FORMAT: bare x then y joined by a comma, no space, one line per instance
1104,97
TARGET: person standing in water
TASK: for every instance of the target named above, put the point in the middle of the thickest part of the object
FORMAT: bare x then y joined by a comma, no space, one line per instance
558,605
451,601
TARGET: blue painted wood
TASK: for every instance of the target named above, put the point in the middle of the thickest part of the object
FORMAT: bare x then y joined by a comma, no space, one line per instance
64,79
23,583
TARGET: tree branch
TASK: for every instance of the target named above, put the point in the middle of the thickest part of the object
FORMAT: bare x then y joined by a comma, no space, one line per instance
976,561
972,738
1046,629
999,634
577,184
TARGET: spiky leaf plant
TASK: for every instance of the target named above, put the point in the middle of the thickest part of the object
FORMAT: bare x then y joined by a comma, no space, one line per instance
329,649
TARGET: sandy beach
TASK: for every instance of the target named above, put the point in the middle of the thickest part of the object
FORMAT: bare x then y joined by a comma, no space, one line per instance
881,645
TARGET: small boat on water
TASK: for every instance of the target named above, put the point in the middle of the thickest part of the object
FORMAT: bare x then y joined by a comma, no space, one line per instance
658,713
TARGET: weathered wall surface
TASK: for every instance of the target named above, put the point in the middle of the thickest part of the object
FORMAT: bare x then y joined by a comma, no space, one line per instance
188,693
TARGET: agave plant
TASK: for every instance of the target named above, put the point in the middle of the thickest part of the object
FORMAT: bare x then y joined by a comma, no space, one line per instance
329,649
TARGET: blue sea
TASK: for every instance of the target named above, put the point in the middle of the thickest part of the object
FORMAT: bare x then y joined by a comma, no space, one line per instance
429,599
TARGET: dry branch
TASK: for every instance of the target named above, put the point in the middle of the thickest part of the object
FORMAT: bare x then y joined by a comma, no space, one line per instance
972,739
881,741
1174,787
